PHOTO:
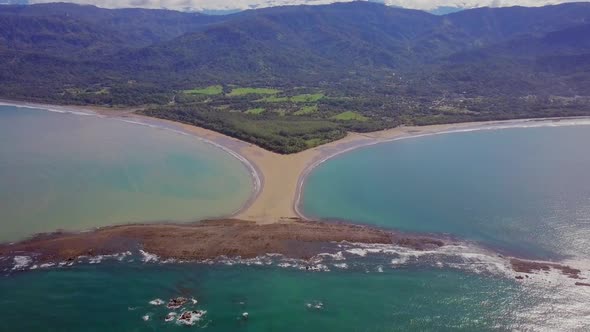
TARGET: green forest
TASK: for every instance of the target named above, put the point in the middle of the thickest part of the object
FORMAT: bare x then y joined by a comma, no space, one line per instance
291,78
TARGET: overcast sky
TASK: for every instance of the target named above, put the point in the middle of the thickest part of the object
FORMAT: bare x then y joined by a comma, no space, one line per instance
199,5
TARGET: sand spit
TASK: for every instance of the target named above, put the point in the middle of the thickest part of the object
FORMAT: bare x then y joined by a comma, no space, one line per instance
280,178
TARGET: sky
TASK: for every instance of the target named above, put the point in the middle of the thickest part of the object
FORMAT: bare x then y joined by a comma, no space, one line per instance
201,5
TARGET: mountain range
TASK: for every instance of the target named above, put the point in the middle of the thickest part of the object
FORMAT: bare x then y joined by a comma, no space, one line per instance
51,47
329,69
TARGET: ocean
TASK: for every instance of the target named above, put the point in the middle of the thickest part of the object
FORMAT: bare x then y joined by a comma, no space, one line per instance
520,191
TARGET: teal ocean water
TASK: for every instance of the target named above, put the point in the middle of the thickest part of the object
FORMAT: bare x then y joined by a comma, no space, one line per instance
523,190
360,287
68,171
116,298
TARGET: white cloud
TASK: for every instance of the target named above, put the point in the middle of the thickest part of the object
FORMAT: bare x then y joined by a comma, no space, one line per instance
199,5
196,5
433,4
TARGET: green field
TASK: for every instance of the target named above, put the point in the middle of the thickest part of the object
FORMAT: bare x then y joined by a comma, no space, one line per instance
284,121
302,98
307,110
307,98
273,99
252,91
255,111
349,116
210,91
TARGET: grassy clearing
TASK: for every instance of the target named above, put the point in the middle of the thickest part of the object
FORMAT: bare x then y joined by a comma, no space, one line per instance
210,91
303,98
307,110
349,116
307,98
313,142
273,99
255,111
76,91
252,91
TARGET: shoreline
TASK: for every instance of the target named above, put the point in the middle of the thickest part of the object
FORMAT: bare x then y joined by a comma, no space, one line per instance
279,180
270,221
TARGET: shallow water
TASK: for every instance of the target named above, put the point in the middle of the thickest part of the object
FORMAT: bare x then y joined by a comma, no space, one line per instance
524,191
66,171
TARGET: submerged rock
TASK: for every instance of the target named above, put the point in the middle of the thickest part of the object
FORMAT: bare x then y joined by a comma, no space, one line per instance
176,303
191,317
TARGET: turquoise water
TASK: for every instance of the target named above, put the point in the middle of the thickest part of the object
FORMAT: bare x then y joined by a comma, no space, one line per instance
67,171
523,190
115,297
518,190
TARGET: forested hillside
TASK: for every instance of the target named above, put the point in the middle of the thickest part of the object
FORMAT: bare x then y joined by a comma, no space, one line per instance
289,78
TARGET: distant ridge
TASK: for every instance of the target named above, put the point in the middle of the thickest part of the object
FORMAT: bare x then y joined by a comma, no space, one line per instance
307,73
279,45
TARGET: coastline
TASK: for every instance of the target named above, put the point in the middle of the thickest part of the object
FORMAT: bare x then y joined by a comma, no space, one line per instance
270,221
279,180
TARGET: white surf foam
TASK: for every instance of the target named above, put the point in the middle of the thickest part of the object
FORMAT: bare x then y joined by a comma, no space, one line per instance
21,262
157,302
148,258
343,266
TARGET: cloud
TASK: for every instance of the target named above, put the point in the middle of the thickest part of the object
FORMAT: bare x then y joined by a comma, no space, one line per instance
192,5
433,4
200,5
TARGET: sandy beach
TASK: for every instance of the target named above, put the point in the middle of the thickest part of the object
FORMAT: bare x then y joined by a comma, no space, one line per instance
279,179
